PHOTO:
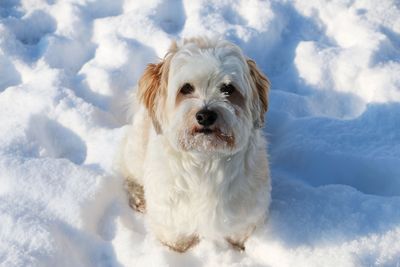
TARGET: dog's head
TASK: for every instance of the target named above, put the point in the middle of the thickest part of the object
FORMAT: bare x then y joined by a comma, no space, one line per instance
205,96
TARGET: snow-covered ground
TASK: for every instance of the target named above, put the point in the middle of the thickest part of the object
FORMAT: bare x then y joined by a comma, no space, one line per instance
333,128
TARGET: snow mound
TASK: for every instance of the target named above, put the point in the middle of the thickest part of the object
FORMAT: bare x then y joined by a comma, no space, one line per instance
333,128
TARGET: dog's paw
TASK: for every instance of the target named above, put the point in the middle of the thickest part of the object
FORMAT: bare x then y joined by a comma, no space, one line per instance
237,245
136,196
137,204
183,244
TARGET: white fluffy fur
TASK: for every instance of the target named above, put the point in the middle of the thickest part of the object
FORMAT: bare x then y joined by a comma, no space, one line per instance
198,185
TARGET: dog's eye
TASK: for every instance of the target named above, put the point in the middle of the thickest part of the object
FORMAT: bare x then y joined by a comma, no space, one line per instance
227,89
186,89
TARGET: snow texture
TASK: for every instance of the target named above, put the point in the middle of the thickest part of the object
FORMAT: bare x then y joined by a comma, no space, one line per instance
333,128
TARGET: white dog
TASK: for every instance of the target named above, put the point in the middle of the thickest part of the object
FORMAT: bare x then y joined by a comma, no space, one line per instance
195,158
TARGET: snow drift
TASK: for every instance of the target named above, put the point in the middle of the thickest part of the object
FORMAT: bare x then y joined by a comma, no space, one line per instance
333,128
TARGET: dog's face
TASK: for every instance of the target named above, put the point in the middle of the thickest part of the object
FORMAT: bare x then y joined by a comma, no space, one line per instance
205,96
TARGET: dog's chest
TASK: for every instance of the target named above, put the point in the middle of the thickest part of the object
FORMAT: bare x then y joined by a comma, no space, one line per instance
207,196
211,197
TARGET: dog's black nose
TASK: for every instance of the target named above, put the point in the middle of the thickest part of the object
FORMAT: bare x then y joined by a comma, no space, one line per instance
206,117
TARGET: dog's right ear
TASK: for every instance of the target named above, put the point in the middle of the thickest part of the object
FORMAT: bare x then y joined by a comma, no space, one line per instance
260,85
150,90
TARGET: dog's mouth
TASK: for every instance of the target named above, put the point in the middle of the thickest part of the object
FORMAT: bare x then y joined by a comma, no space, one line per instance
216,132
208,138
205,130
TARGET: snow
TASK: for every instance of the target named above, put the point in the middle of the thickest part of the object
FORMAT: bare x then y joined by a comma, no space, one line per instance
333,128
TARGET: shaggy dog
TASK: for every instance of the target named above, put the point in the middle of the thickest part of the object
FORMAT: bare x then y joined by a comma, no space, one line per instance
195,157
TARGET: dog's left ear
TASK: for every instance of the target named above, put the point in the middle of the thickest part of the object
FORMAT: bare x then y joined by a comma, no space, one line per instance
150,90
260,85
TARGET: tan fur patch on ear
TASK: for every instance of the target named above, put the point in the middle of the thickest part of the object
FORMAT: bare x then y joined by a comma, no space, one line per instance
150,90
261,86
153,86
